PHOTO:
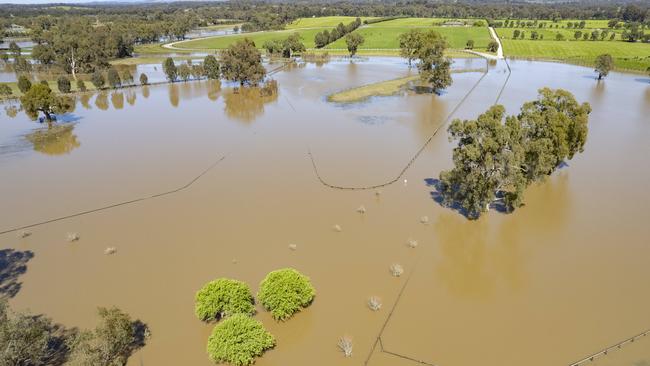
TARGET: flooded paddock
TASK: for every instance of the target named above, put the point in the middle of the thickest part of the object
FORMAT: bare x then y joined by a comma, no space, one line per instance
191,181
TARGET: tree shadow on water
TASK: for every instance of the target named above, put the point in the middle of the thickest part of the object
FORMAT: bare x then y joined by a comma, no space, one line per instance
437,196
13,264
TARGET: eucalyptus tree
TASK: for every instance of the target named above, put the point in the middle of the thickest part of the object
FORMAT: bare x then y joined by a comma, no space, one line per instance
409,44
242,62
40,99
353,41
211,67
433,66
604,64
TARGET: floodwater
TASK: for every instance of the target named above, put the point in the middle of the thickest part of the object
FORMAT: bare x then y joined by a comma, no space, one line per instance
549,284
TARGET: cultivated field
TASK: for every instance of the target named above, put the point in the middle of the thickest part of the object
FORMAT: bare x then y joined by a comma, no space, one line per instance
377,37
632,56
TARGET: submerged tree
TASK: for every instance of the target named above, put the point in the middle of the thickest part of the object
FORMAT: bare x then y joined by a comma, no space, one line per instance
112,342
242,62
604,64
497,157
493,46
211,67
353,41
434,67
24,83
40,98
170,70
409,44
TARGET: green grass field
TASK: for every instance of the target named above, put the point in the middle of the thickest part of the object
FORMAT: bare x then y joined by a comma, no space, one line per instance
589,24
258,37
387,37
627,56
416,22
322,22
550,34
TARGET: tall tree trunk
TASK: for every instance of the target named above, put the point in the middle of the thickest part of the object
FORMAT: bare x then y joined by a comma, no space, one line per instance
73,64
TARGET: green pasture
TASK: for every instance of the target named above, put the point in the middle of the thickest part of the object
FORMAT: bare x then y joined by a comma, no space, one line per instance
258,37
549,34
322,22
418,22
387,37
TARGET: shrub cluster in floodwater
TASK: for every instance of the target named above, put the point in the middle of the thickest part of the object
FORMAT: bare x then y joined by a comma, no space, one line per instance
284,292
223,297
238,340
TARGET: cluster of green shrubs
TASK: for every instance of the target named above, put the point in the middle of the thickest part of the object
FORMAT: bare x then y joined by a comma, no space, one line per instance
238,339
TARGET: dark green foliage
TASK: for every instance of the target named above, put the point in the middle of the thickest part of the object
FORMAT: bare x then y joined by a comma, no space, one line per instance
114,80
144,80
22,65
353,41
470,44
272,46
497,157
40,98
98,79
29,340
63,83
184,72
238,340
14,49
284,292
212,68
434,67
223,297
170,70
493,46
292,45
5,90
112,342
409,44
325,37
604,63
242,62
127,78
43,54
24,83
81,85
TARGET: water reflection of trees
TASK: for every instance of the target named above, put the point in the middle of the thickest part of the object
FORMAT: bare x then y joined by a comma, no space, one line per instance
55,140
101,101
117,99
247,104
173,94
11,111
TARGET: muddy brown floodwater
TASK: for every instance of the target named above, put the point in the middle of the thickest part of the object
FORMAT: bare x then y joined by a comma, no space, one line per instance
557,280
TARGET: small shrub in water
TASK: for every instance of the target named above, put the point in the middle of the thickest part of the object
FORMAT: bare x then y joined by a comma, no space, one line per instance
293,246
110,250
284,292
337,228
412,243
361,209
424,219
345,345
23,234
72,237
396,270
238,340
374,303
223,297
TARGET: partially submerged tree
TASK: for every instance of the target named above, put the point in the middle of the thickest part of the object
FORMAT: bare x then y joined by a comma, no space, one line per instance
238,340
98,79
170,70
284,292
434,67
242,62
184,72
40,99
223,297
604,64
30,340
112,342
24,83
5,90
353,41
144,80
409,44
291,45
114,79
497,157
211,67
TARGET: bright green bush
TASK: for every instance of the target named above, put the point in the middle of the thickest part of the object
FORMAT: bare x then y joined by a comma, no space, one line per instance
238,340
284,292
223,297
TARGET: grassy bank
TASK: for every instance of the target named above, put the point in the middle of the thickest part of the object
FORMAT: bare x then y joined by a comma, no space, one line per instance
323,22
383,88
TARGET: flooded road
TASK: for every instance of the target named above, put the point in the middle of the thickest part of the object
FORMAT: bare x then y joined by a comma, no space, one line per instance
557,280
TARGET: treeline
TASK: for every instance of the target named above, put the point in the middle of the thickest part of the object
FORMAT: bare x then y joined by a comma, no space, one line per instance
322,39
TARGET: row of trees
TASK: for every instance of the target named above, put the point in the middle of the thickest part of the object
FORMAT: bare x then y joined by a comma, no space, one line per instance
322,39
498,156
240,62
287,47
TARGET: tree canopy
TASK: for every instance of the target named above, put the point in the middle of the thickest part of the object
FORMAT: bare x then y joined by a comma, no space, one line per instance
498,156
604,63
353,41
433,66
242,62
40,98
